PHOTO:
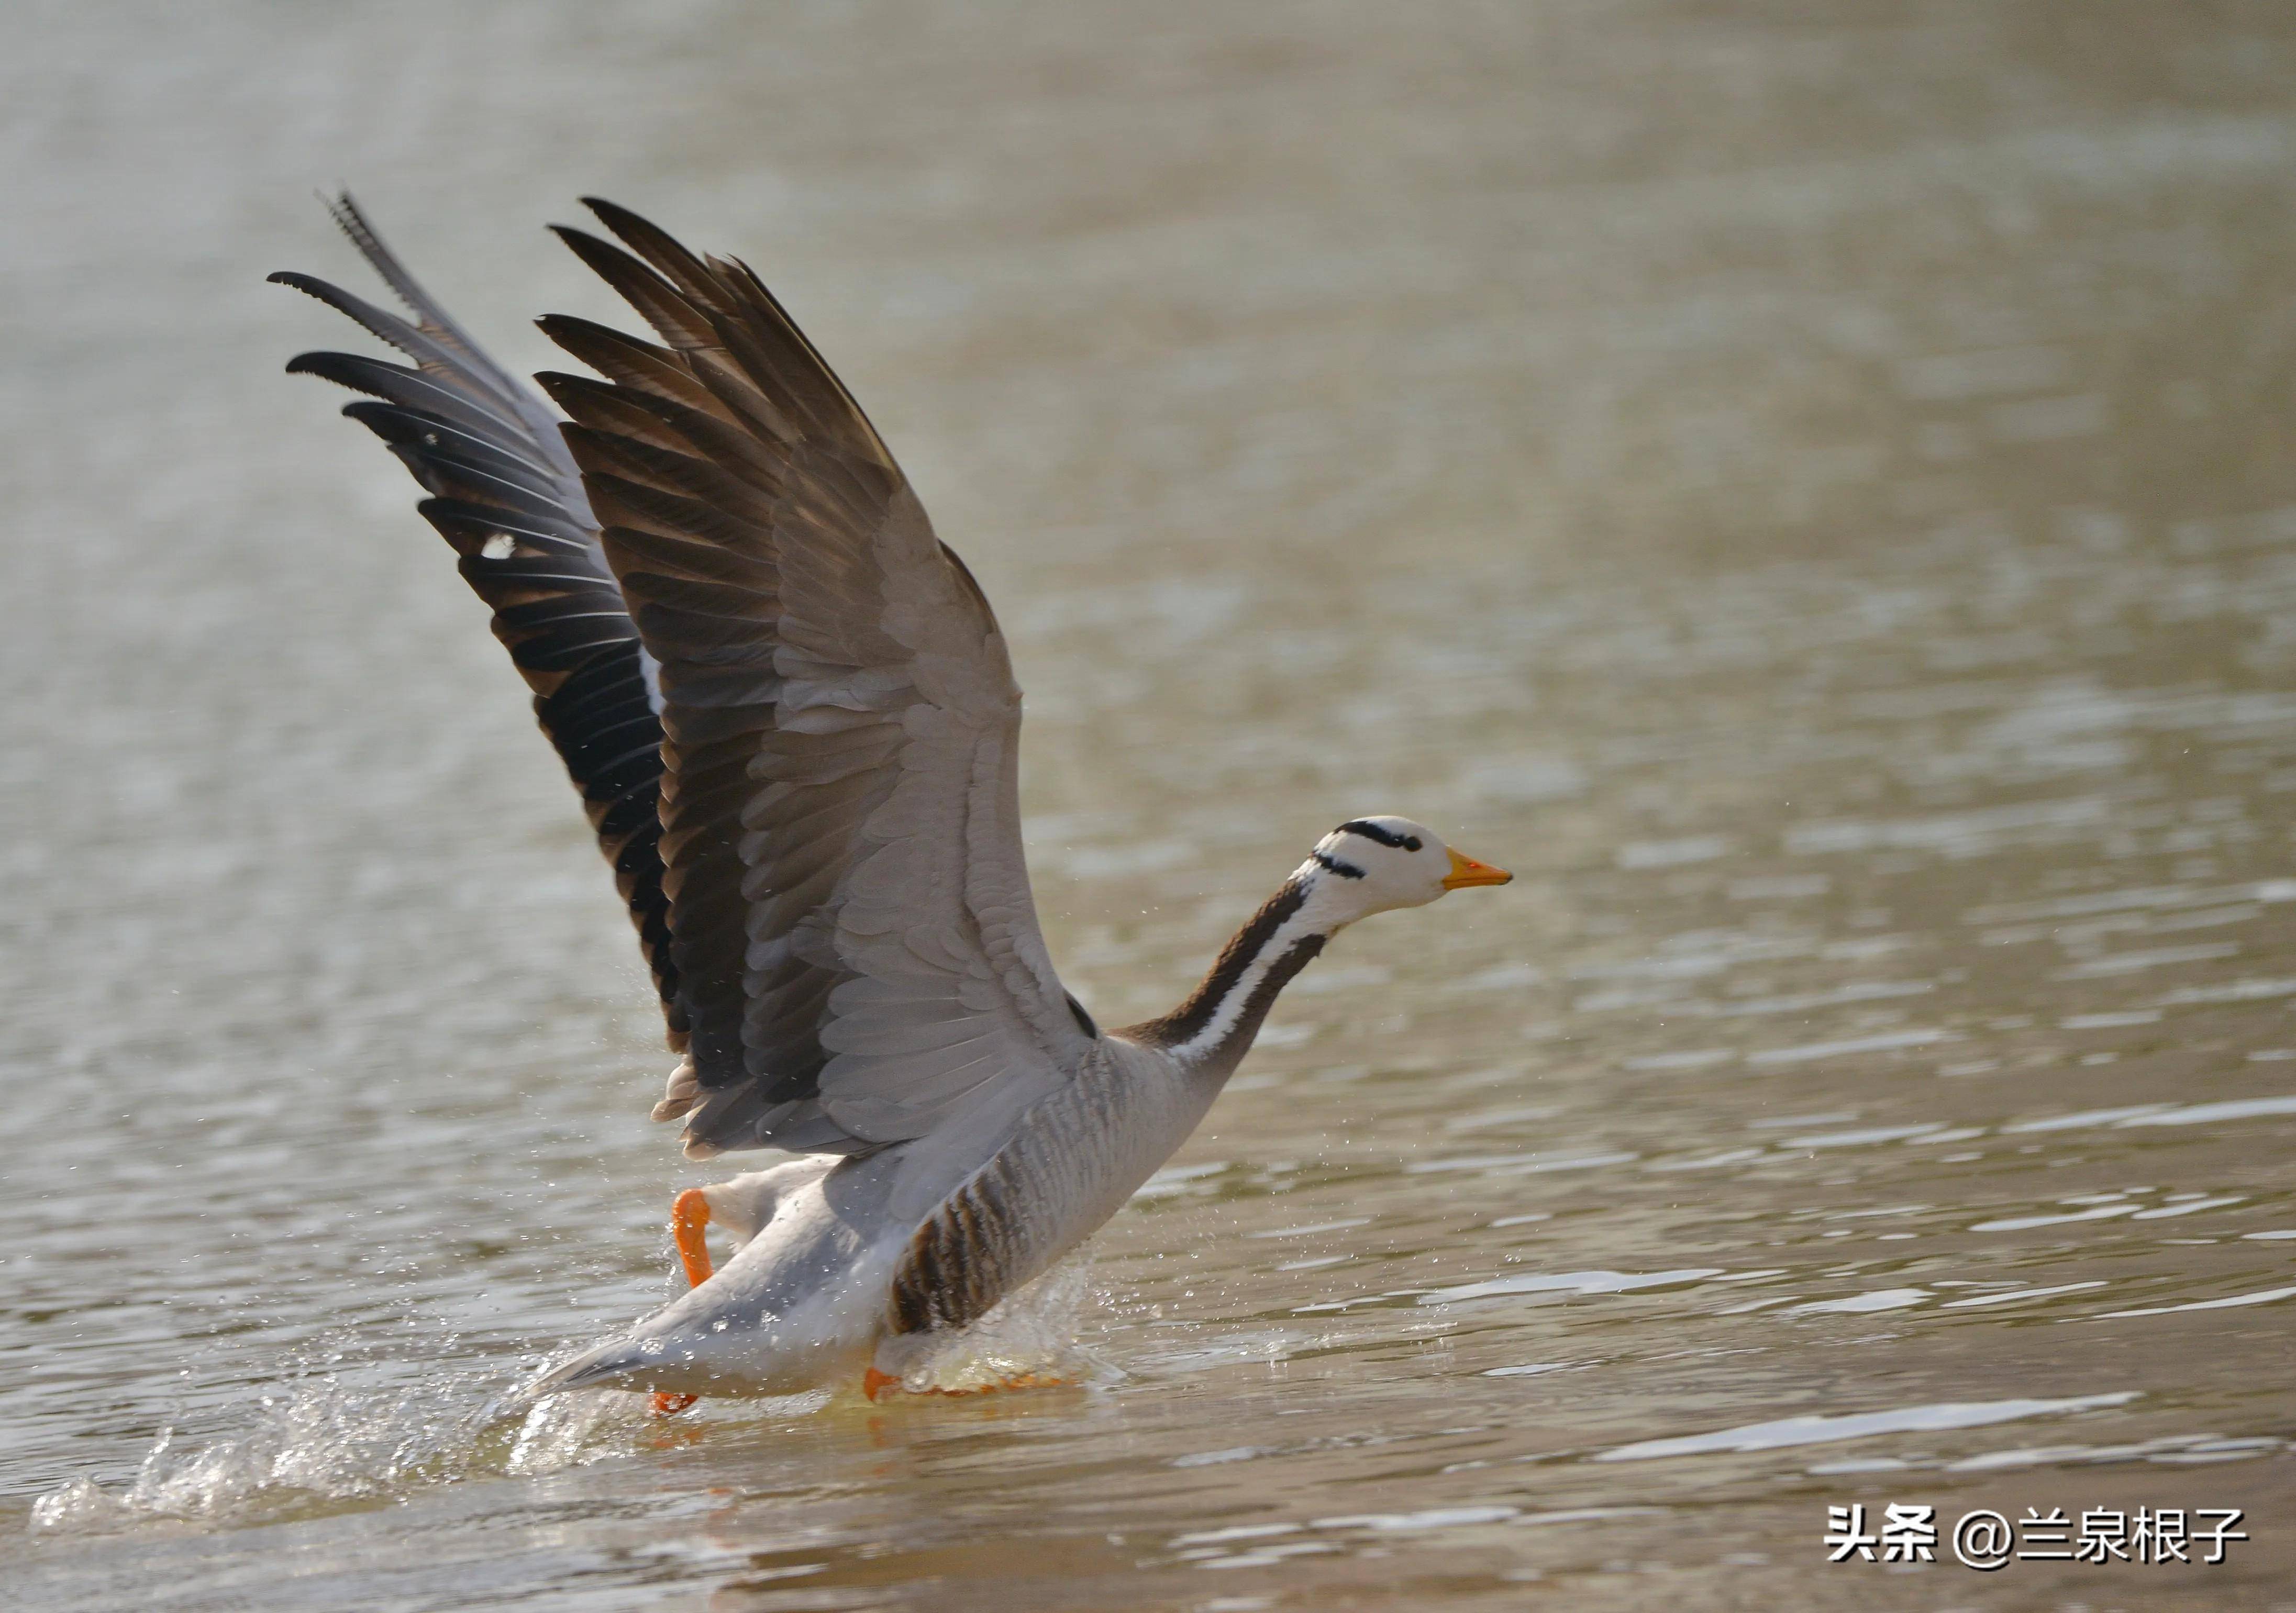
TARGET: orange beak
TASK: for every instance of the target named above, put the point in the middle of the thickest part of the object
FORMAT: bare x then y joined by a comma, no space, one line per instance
1465,870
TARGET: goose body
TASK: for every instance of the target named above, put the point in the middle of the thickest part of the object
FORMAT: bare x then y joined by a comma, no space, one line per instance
854,1262
791,714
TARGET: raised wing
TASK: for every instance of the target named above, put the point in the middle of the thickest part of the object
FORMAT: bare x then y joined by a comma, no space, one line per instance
855,948
507,495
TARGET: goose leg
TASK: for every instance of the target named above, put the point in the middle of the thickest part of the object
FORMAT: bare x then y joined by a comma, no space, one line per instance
689,1213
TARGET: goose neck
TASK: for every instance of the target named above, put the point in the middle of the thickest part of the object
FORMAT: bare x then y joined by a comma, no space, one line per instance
1211,1031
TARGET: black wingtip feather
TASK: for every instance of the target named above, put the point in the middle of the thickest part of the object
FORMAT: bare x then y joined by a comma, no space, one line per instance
489,451
326,363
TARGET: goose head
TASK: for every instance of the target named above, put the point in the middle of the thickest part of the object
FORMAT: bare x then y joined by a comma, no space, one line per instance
1369,865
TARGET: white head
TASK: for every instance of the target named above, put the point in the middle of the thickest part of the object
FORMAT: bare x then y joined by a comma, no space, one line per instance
1368,866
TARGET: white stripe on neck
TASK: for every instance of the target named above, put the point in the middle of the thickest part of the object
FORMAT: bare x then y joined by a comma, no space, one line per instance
1312,919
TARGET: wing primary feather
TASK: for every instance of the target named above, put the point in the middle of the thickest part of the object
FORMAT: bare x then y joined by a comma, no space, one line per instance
399,384
664,254
662,305
435,319
432,353
639,367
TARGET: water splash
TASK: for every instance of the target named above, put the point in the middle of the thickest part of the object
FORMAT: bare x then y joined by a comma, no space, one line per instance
573,1430
323,1443
1030,1337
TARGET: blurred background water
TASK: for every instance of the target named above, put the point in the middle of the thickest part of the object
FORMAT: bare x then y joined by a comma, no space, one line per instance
1808,485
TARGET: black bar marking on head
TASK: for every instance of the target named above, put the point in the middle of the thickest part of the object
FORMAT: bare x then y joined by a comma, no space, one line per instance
1346,871
1385,837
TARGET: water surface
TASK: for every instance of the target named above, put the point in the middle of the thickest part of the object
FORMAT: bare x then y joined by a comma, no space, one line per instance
1808,487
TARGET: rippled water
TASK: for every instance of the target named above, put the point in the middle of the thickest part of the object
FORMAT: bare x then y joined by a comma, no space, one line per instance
1810,487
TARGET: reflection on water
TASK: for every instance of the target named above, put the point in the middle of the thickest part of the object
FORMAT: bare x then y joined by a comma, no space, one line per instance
1809,488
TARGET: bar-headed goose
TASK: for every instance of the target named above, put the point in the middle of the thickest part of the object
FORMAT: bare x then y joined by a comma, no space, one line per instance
790,712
